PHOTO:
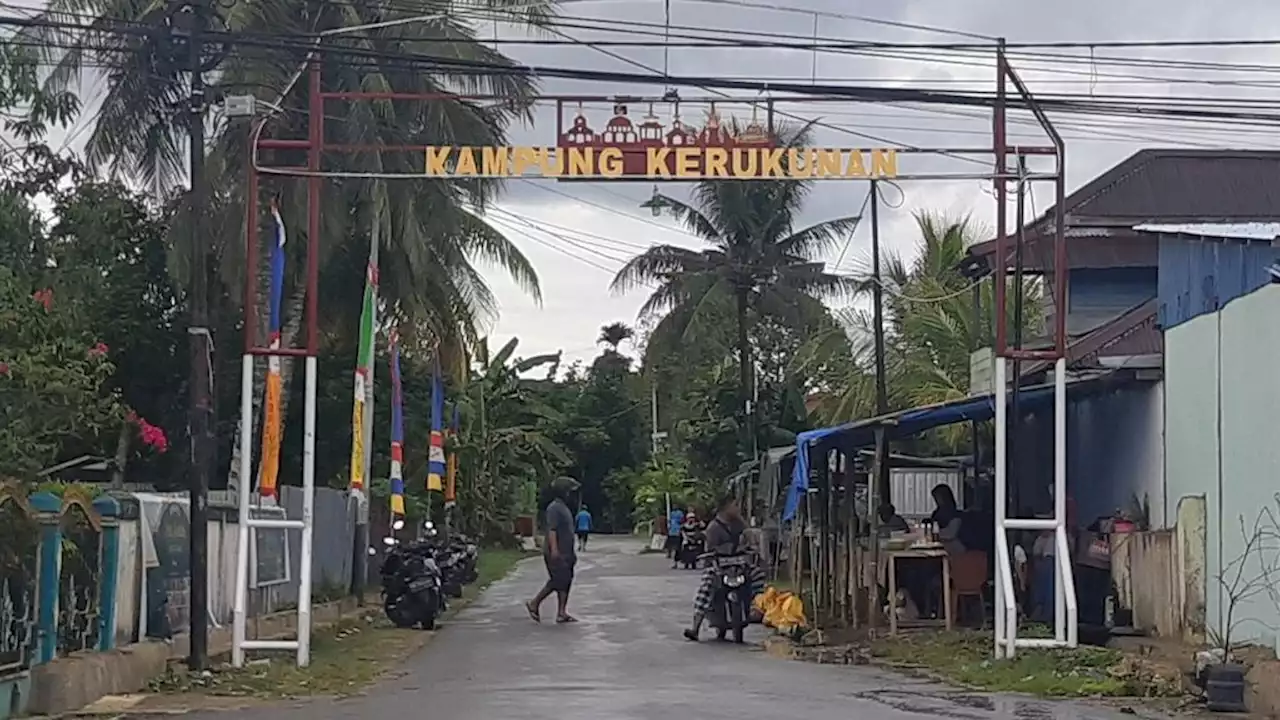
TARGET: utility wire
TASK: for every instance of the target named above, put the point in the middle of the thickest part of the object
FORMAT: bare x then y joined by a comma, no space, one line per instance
261,40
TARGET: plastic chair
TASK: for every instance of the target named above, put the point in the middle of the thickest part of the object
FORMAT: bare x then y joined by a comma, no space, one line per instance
968,579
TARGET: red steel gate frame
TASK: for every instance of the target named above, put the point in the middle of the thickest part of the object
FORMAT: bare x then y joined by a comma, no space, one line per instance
1006,640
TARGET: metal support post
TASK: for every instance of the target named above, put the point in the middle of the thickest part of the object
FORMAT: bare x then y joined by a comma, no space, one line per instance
247,523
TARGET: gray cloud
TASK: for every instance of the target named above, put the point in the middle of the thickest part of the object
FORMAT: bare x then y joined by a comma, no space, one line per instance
577,297
577,306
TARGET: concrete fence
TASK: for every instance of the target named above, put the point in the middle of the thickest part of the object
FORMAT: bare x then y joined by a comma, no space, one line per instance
154,579
105,598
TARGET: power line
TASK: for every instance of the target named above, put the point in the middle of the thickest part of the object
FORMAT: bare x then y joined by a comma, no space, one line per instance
287,41
596,249
817,123
608,243
525,232
1181,108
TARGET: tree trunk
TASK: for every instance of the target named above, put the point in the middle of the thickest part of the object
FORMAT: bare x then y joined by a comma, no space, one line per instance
122,455
744,371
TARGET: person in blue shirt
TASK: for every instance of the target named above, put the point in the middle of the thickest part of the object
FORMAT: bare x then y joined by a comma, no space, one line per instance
584,527
674,521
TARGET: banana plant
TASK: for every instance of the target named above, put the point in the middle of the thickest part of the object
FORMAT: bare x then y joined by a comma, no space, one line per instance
505,439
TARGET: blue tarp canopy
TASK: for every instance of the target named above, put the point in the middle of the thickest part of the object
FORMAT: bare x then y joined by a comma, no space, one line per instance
862,433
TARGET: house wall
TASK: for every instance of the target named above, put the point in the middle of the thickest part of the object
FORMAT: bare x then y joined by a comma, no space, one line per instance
1159,575
1115,451
1200,275
1222,392
1096,296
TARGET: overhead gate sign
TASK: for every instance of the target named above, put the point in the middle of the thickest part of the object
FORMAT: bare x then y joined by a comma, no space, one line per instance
649,150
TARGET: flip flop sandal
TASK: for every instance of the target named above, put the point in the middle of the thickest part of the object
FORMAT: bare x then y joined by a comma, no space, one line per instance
566,619
533,612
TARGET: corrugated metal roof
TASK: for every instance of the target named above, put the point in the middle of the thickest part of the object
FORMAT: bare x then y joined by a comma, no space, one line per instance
1170,186
1186,185
1234,231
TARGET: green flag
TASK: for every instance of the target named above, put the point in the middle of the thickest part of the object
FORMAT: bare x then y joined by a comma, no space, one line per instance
364,364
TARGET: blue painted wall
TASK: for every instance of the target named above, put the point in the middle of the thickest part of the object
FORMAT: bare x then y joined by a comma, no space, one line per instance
1098,295
1200,275
1115,451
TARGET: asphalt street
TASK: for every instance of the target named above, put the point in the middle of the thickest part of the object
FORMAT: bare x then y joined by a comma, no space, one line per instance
626,660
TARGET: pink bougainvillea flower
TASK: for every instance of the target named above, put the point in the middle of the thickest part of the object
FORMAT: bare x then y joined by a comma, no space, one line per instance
44,297
4,369
152,435
98,350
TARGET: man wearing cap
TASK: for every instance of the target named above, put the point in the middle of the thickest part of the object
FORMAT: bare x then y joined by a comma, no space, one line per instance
558,552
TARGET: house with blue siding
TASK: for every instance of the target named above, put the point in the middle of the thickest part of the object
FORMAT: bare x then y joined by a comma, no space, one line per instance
1219,306
1114,269
1172,276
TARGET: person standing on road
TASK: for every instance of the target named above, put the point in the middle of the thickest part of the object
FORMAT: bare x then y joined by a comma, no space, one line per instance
674,522
724,537
558,553
584,527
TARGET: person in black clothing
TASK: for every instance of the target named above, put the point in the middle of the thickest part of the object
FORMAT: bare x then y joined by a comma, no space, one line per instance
558,553
947,519
723,537
890,520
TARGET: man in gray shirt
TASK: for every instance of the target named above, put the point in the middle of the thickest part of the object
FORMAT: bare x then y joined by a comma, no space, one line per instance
558,552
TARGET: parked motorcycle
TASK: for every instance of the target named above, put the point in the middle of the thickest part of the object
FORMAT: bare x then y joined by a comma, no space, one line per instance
412,584
731,595
456,558
692,545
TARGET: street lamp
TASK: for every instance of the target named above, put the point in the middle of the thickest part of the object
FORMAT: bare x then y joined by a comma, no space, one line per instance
655,203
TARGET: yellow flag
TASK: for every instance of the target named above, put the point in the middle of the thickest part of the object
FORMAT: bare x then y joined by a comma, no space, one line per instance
269,470
357,444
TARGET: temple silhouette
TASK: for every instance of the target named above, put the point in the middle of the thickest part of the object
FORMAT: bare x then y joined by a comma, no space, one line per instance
636,140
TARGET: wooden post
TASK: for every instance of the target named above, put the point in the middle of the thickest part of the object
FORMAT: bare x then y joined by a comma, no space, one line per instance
850,543
873,503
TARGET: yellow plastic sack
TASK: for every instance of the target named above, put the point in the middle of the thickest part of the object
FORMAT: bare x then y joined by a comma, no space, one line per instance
782,610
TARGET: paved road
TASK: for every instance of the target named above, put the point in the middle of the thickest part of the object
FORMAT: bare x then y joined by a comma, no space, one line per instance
625,660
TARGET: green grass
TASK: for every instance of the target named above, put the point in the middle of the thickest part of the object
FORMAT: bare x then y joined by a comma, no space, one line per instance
345,657
965,657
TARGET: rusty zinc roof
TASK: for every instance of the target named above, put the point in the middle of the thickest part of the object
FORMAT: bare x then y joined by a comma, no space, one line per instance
1170,186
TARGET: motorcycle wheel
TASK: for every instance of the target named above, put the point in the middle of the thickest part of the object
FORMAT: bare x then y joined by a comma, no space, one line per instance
401,614
737,620
429,611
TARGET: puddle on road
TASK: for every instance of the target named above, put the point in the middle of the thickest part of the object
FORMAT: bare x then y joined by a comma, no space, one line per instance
963,706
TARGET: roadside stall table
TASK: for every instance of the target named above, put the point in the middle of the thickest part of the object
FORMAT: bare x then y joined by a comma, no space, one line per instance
918,551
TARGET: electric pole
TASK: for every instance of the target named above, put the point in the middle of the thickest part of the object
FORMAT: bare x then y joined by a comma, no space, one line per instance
200,419
877,299
654,434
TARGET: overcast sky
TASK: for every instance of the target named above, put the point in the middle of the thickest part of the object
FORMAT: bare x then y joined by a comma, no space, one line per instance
577,266
586,230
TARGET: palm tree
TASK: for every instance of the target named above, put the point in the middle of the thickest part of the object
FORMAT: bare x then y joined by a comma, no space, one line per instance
430,232
756,261
614,334
931,326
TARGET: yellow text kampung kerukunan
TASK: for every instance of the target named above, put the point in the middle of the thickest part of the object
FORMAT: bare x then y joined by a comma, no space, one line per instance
688,163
